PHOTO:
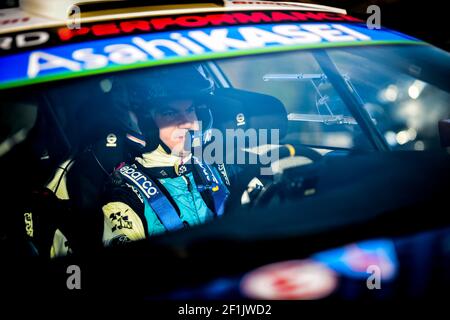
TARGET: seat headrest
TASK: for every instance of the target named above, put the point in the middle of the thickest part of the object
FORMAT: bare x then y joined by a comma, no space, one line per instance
238,109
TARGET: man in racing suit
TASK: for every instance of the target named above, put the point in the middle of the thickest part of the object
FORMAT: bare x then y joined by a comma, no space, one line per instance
166,188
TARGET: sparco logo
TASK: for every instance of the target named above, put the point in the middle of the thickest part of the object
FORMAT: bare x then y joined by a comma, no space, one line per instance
223,172
206,174
139,180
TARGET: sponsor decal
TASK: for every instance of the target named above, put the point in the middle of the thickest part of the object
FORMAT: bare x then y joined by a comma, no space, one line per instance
264,3
14,21
240,119
196,21
135,191
354,260
206,172
223,173
290,280
28,216
120,221
163,173
119,240
186,45
140,180
99,30
182,169
16,17
111,140
24,40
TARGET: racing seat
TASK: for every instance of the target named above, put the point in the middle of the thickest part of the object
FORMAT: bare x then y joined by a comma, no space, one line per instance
31,212
234,109
240,109
86,180
100,141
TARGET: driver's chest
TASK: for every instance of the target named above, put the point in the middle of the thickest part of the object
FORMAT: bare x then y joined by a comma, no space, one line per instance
183,191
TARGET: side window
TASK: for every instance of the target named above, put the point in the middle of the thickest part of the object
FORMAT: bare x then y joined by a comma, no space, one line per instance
17,117
405,109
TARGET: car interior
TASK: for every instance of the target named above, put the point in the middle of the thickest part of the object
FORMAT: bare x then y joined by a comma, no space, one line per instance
83,131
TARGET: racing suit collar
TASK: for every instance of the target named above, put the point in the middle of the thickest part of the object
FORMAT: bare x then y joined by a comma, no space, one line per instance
161,163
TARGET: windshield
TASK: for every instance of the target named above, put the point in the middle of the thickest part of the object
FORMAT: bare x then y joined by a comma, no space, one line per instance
251,147
405,98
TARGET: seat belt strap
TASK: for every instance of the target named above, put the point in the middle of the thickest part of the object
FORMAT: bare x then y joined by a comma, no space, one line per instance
154,199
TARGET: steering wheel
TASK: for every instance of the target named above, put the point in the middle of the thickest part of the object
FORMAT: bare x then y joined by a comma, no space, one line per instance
284,174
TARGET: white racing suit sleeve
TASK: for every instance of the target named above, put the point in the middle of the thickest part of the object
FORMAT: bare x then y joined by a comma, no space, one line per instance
121,224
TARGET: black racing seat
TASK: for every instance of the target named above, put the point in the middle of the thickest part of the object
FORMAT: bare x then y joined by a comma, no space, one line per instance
86,177
99,132
86,180
239,109
31,213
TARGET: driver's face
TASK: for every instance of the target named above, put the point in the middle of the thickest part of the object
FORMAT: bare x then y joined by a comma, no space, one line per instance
174,119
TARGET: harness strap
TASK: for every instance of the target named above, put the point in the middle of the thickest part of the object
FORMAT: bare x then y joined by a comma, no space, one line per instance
153,199
211,185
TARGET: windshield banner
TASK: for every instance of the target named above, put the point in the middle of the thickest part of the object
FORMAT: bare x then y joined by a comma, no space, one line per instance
136,51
